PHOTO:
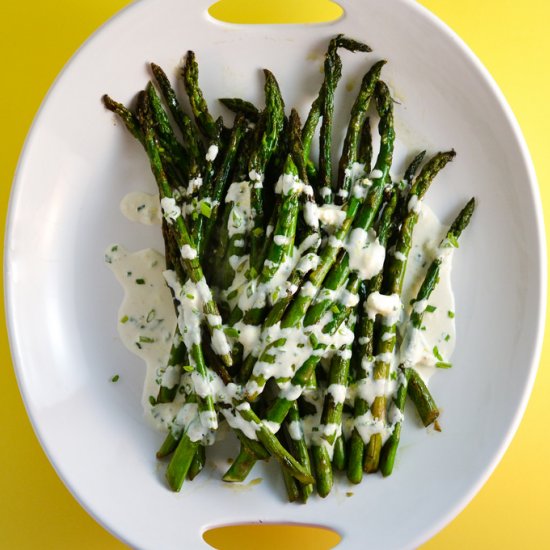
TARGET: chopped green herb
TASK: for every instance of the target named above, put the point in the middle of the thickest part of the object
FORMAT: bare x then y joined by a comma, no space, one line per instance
138,345
152,400
334,308
235,219
140,207
190,296
128,274
124,319
151,315
140,281
115,378
313,339
453,241
447,337
232,294
430,309
114,248
437,354
232,332
188,368
206,209
146,340
451,314
443,365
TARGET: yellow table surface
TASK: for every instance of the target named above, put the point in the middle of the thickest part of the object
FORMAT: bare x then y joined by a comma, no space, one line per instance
37,38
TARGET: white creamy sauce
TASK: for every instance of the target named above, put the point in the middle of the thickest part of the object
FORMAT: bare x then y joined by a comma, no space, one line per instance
366,254
146,317
439,324
142,208
240,219
355,171
170,210
212,153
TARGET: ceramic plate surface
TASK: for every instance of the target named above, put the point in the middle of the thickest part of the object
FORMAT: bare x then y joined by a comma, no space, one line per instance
62,301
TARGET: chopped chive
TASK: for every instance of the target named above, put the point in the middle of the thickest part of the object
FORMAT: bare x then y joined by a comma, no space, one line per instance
190,296
314,340
140,281
232,294
447,337
451,314
437,354
152,400
453,241
146,340
443,365
430,309
140,207
188,368
115,378
232,332
114,248
206,209
124,319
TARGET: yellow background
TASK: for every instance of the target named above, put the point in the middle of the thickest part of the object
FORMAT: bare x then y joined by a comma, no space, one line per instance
37,38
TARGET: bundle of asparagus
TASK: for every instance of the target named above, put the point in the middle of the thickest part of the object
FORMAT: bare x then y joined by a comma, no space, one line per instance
288,301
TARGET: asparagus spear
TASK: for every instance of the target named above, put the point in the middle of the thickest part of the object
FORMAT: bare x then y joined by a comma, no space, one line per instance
191,140
296,440
395,274
210,209
206,123
190,263
333,72
350,153
131,122
273,117
364,349
364,152
331,418
430,281
241,106
422,399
